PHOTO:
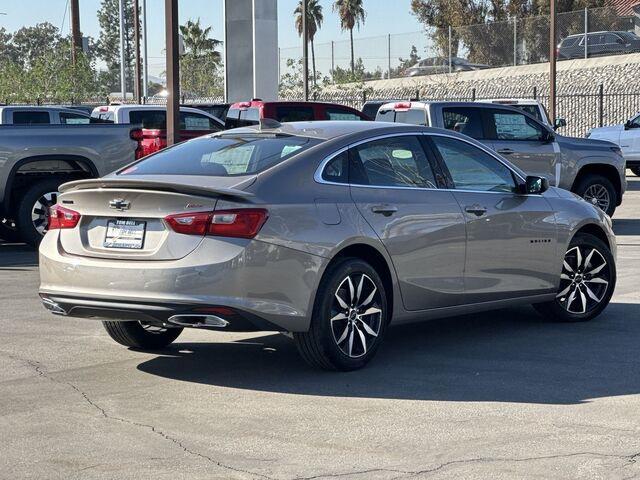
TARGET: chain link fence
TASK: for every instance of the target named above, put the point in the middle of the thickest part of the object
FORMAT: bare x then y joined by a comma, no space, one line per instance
517,41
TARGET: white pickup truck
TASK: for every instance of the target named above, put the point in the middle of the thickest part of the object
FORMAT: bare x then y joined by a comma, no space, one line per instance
626,136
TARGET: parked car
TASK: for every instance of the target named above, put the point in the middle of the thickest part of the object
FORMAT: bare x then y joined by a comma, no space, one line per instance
626,136
593,169
153,118
242,114
37,159
36,115
433,65
218,110
598,44
379,224
532,107
371,107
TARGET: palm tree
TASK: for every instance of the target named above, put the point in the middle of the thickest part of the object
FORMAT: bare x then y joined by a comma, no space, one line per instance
197,41
351,14
314,22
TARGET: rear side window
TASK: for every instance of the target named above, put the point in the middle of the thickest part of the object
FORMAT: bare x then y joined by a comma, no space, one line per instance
222,156
31,118
153,119
392,162
336,170
570,42
195,121
74,119
464,120
335,113
290,113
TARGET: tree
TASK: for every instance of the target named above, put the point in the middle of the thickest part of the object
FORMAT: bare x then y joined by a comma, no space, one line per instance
406,62
108,46
314,22
30,43
200,65
352,14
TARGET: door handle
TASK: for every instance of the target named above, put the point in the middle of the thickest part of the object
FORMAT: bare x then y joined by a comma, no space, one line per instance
477,210
386,210
506,151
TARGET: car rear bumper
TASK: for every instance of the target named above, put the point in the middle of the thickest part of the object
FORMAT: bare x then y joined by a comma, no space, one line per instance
264,285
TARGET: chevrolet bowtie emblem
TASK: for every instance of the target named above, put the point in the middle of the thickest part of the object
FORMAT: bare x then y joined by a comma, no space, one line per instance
119,204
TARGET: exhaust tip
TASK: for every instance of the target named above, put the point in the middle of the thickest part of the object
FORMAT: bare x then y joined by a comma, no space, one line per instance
53,307
198,321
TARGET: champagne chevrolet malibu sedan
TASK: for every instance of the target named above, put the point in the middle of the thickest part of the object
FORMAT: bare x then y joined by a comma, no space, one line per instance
330,231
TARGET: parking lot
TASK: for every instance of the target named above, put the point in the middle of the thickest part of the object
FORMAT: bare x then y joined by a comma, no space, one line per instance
505,394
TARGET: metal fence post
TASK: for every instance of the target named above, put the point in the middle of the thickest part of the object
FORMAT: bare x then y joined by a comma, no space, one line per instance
586,31
535,92
389,56
600,105
333,67
515,40
449,48
279,60
364,97
473,94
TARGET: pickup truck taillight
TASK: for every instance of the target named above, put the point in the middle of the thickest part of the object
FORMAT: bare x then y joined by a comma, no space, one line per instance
60,218
138,136
237,223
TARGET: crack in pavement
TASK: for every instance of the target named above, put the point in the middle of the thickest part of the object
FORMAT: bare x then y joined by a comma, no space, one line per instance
38,369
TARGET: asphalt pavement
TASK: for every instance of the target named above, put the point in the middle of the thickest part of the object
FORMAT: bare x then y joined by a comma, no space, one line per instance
499,395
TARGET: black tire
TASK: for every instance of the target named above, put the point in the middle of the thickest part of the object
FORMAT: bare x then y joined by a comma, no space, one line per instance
319,346
635,170
137,335
593,182
555,309
26,228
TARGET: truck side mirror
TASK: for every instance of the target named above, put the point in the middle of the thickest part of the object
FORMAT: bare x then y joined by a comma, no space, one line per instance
560,122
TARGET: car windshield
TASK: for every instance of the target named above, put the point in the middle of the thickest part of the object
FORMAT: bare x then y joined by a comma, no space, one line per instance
222,156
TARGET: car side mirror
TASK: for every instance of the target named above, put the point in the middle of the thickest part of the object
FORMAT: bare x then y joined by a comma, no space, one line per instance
628,124
560,122
535,185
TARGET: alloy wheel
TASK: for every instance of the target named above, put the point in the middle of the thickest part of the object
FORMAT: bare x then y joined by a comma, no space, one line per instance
584,280
40,211
356,315
598,195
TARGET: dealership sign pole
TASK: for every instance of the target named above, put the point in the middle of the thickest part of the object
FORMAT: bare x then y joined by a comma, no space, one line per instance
552,62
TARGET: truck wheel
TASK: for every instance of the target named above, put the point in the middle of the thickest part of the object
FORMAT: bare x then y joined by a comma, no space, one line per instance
598,191
635,170
33,209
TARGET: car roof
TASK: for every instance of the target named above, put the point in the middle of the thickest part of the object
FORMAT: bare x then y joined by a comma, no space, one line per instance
129,107
258,103
510,101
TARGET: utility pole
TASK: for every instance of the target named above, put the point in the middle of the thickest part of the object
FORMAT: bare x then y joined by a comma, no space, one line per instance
76,36
173,71
552,62
136,41
145,64
123,67
305,53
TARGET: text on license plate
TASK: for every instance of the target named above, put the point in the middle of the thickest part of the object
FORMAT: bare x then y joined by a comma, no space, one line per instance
125,234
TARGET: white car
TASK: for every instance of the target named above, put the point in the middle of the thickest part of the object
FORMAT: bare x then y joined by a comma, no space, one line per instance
532,107
626,136
155,117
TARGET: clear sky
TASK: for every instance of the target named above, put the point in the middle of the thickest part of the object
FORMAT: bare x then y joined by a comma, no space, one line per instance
383,16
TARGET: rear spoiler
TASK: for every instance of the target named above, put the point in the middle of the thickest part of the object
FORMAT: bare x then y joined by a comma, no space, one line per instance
107,183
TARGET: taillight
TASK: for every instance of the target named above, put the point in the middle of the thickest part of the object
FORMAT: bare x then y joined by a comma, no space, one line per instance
137,135
402,106
60,217
237,223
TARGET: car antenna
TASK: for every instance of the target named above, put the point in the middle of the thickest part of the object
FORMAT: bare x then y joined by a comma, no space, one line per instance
269,123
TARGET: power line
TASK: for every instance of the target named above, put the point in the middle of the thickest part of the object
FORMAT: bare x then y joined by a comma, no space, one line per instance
64,16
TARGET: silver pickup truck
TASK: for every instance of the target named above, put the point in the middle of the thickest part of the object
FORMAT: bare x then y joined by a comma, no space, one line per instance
35,160
592,169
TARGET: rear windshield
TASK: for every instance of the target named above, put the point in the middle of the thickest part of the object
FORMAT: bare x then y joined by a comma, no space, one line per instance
222,156
532,110
413,116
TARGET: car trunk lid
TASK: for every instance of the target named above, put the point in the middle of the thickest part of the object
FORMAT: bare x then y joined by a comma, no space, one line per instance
125,218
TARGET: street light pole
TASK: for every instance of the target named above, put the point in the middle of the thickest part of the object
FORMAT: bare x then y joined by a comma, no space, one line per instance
552,61
136,41
305,53
173,71
145,64
76,36
123,71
